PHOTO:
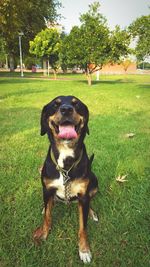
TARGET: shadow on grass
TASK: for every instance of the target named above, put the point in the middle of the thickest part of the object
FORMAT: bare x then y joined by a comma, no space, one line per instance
11,80
23,93
117,81
33,80
144,86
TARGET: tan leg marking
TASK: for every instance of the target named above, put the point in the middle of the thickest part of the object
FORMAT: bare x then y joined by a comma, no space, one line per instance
42,232
84,249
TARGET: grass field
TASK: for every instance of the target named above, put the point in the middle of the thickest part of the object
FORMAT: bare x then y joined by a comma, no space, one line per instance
118,105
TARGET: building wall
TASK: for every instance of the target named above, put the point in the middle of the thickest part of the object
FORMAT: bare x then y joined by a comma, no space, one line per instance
118,69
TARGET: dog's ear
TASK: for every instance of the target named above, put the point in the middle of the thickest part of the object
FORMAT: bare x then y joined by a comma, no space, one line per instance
47,111
87,120
44,123
87,130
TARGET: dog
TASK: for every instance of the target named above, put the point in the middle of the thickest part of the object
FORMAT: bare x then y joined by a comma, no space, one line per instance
66,174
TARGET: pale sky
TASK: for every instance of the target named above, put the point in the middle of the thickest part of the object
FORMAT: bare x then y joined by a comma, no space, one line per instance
121,12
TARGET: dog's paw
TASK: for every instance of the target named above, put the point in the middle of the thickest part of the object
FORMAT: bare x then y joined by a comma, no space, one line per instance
86,256
39,235
93,215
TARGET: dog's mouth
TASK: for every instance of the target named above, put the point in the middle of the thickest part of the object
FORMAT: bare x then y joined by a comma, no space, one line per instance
67,129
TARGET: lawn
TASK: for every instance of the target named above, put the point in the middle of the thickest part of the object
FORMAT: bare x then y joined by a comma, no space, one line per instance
118,105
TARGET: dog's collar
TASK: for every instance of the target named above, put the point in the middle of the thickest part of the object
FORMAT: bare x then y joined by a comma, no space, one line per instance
64,172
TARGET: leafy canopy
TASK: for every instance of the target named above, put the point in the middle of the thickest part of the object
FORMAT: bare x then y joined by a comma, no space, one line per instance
140,29
28,16
47,45
92,44
119,42
88,43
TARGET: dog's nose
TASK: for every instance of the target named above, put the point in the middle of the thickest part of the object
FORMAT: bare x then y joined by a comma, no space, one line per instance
66,109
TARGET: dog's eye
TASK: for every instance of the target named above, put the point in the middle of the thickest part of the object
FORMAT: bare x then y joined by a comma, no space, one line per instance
76,105
75,102
56,104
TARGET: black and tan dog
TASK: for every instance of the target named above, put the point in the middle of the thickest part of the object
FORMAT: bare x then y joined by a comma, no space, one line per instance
66,174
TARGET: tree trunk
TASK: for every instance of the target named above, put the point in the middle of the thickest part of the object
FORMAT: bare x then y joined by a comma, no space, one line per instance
6,65
48,67
11,62
89,78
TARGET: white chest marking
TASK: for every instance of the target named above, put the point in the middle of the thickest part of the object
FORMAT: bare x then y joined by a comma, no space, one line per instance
65,152
58,183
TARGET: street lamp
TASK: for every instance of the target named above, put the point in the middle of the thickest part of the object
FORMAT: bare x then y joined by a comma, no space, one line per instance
20,49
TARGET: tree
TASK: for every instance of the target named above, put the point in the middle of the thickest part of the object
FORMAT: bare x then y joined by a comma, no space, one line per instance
92,45
47,45
27,16
126,64
86,45
140,29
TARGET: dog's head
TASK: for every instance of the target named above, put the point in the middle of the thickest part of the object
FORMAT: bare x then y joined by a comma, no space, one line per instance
65,118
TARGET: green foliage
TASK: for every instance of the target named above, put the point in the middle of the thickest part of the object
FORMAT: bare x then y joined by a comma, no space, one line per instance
119,41
90,42
64,62
72,53
47,45
92,45
3,51
28,16
144,65
29,62
140,29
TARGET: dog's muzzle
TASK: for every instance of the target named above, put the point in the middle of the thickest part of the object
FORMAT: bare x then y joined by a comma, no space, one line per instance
67,128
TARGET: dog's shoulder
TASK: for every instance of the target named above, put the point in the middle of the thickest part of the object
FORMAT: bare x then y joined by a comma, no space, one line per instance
49,169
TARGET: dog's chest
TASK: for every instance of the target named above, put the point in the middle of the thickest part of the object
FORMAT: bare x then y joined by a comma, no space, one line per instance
65,152
76,187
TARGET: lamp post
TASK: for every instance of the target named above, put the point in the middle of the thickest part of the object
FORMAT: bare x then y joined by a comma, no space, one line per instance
20,50
6,64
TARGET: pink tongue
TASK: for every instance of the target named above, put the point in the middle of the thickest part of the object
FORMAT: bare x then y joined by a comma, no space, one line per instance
67,132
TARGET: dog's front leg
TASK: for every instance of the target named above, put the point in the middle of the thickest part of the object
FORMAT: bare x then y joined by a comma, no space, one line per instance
42,232
84,249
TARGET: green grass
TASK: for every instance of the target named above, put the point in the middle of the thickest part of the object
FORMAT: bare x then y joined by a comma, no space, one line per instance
118,105
39,74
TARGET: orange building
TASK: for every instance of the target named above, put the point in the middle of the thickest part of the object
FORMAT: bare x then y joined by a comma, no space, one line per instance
119,68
